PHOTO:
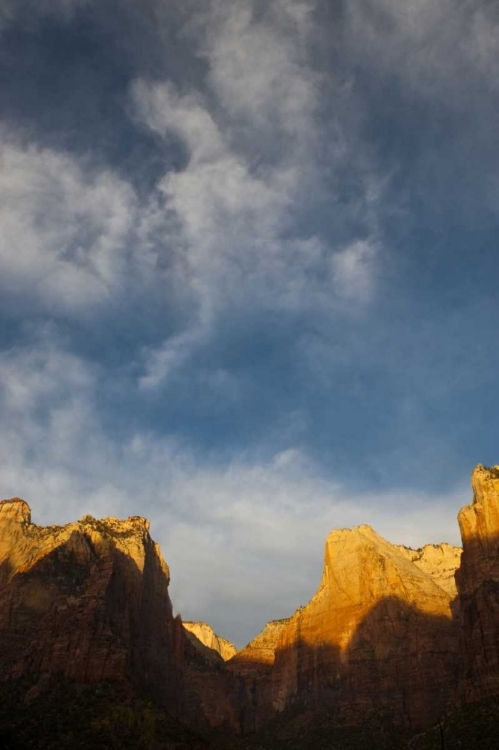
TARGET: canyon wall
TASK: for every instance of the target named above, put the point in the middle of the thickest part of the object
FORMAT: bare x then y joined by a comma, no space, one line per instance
88,601
478,588
208,642
378,636
386,634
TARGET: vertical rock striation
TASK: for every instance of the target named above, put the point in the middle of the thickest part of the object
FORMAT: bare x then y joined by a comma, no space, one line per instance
478,587
387,633
89,601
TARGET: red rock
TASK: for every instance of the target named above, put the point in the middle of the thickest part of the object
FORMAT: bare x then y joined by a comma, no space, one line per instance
478,587
88,600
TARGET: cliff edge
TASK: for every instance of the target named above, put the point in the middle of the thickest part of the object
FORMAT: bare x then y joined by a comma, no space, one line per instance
88,601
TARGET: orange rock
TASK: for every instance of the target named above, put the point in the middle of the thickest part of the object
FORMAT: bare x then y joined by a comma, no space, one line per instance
440,561
204,638
383,634
88,600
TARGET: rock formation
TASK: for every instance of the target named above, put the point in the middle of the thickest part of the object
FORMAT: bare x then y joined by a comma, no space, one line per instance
204,637
478,588
386,634
88,601
259,654
377,636
440,561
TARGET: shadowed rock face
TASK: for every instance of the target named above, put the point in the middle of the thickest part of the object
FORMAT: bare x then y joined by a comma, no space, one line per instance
259,654
88,600
208,642
383,635
478,587
377,637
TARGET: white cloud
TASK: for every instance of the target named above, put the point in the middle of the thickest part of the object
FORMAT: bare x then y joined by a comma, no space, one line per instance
235,217
437,49
63,232
176,351
244,540
259,65
353,270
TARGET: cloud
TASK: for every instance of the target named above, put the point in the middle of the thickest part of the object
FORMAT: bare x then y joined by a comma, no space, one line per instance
264,292
29,11
244,538
439,49
237,208
260,66
64,231
352,270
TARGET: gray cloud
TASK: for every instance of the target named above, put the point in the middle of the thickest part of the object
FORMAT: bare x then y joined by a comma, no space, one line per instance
31,11
244,541
63,231
439,50
270,273
236,209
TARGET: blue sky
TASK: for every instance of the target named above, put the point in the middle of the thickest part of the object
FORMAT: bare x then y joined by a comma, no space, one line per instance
248,277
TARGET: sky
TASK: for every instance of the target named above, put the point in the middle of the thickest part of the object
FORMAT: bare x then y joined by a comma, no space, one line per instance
248,277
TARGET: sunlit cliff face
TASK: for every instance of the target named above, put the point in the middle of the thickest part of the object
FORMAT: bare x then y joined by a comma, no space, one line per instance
379,626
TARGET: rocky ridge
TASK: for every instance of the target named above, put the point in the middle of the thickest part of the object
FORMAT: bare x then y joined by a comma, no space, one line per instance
205,638
88,601
377,636
386,634
260,652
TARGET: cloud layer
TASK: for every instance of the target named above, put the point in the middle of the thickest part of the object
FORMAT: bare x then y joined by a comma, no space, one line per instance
248,277
223,529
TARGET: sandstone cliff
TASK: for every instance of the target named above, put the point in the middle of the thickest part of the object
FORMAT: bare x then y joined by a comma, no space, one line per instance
439,561
478,587
377,636
202,635
88,601
384,635
259,654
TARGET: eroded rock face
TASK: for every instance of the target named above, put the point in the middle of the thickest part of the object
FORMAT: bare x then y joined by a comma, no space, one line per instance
377,635
384,633
439,561
259,654
88,600
478,587
204,635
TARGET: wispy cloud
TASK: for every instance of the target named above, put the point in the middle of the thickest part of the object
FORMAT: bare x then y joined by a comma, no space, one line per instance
260,287
437,49
223,529
252,161
259,66
64,231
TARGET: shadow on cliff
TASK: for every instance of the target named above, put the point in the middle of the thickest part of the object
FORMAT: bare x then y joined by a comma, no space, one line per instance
5,571
477,582
91,614
88,613
400,668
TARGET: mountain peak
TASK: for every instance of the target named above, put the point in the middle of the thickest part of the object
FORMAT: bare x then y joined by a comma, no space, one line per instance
16,510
